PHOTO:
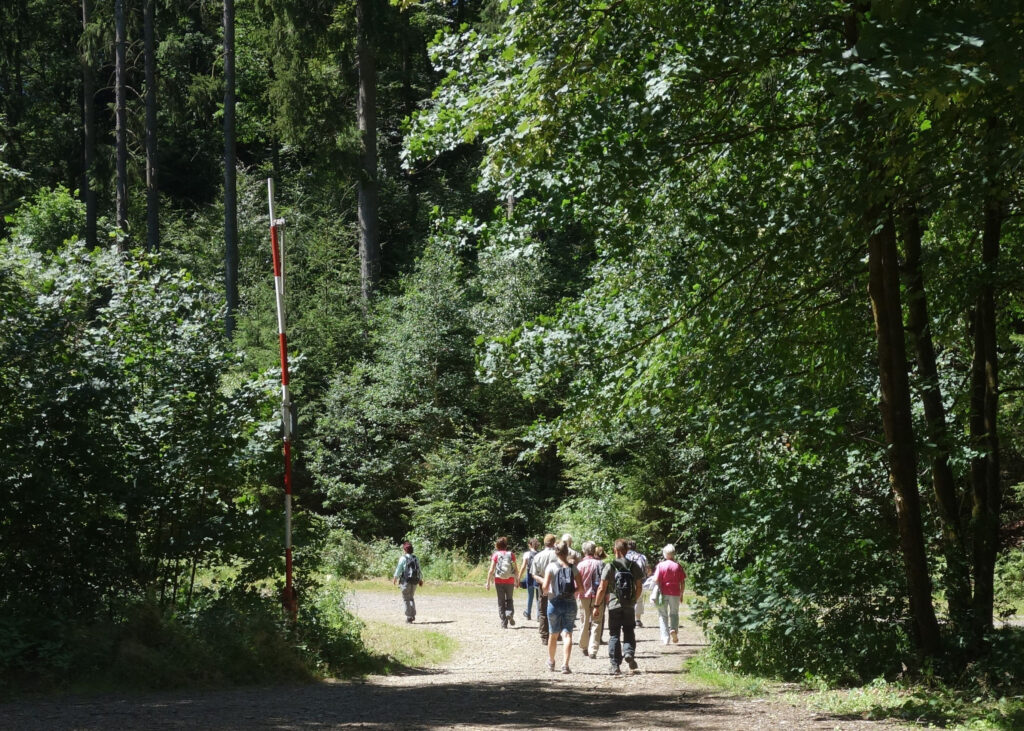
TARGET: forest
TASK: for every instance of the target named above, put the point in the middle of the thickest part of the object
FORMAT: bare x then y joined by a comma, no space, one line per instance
741,276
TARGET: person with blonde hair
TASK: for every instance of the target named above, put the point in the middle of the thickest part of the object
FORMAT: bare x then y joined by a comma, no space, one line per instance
671,580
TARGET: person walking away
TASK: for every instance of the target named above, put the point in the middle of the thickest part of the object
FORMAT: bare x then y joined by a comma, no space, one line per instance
590,574
537,567
526,580
621,582
561,581
503,573
640,560
409,576
574,556
597,625
671,580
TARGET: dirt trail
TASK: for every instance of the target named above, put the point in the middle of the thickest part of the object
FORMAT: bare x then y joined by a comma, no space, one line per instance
497,678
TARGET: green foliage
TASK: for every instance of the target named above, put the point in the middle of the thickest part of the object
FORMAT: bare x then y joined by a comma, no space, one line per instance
1010,583
469,495
348,557
128,460
150,648
50,220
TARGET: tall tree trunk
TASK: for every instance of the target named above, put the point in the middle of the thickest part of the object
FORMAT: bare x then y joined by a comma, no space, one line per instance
884,291
88,130
152,191
944,486
120,112
230,194
984,433
366,112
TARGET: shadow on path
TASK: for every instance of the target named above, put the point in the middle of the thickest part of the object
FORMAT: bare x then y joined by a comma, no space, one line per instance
368,705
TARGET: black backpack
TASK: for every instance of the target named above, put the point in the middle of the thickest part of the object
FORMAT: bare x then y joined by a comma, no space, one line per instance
565,583
625,584
411,573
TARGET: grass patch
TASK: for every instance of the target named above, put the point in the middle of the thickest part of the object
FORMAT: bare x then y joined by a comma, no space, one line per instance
397,647
703,671
921,705
972,702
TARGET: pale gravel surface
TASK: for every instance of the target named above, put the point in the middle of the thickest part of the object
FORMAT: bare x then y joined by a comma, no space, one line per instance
497,678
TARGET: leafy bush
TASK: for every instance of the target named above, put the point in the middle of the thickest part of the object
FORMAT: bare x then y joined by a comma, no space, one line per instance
52,219
151,648
1009,583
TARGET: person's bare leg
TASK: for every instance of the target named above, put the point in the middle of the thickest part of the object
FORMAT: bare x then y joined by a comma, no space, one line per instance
552,646
568,648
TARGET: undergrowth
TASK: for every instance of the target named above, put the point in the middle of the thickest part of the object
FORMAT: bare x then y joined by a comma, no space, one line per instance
984,693
233,638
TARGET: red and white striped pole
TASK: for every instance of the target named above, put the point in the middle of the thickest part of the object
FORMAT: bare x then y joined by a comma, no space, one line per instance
277,250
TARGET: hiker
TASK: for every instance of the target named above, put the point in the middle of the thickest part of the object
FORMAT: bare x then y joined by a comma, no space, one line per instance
408,574
574,555
640,560
597,625
526,580
503,573
621,582
561,581
671,581
537,567
590,572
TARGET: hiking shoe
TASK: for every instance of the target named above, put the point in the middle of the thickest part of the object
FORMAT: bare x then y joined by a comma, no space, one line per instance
675,637
614,670
639,623
566,670
630,661
409,619
551,665
512,620
526,615
585,653
504,624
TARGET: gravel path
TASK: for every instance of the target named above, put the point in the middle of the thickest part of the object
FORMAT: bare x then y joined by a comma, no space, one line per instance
497,678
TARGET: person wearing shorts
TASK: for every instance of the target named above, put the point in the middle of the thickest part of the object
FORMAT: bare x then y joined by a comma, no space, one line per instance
561,610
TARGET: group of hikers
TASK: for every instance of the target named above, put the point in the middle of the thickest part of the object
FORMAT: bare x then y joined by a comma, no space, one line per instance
569,585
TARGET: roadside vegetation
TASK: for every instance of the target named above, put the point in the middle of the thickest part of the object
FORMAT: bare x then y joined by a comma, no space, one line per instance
743,277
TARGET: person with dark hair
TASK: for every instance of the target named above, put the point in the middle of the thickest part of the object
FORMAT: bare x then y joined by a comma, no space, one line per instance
409,576
621,583
526,577
640,560
503,573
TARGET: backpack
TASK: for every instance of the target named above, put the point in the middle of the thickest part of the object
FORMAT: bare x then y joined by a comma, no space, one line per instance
503,566
411,572
625,584
565,583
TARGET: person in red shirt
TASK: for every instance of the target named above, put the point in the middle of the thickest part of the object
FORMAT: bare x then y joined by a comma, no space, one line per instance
503,574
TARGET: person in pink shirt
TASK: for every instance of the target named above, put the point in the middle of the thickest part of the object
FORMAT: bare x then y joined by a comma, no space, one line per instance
671,579
590,571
